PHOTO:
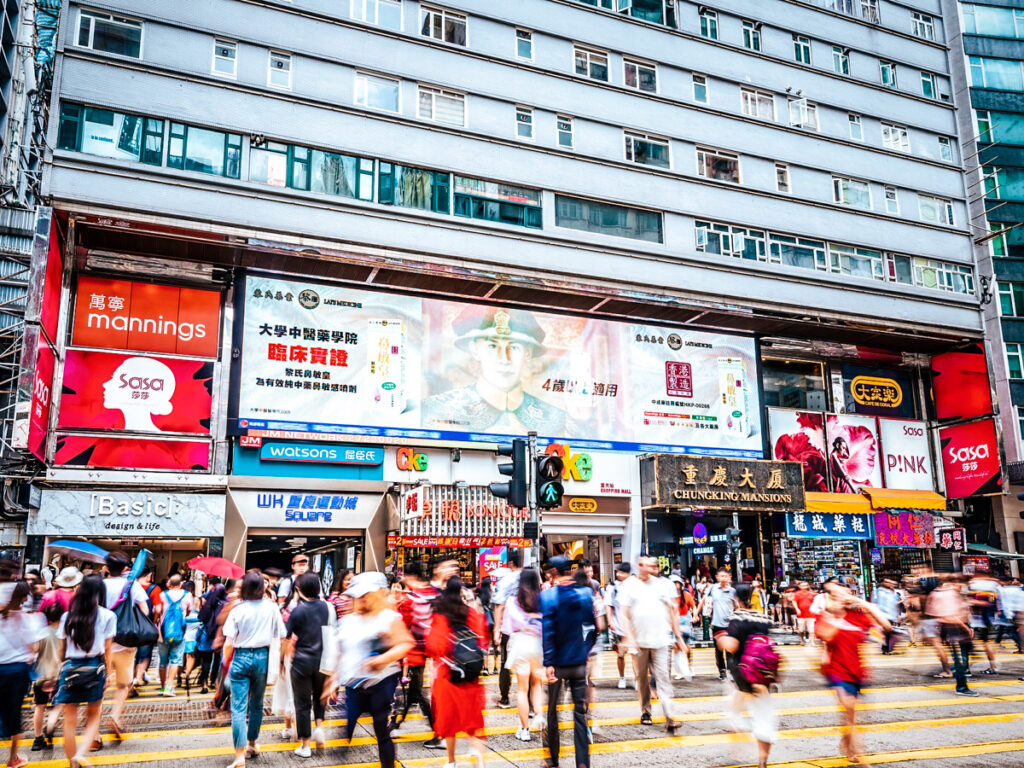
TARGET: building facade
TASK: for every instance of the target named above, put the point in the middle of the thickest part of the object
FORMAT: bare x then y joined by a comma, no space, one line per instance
631,230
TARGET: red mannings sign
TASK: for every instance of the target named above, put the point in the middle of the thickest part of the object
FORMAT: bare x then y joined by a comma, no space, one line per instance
970,459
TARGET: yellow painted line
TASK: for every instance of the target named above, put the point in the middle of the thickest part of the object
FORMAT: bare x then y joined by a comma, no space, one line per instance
910,755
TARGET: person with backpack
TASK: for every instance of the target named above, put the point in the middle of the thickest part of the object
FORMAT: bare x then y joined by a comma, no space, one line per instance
20,632
44,677
458,643
417,611
525,649
144,653
208,658
122,658
176,605
754,666
568,634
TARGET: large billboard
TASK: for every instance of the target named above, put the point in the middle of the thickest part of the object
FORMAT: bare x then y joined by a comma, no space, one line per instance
906,454
126,452
970,459
960,384
854,458
335,360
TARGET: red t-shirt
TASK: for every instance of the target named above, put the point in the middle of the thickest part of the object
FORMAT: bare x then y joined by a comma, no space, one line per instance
844,657
803,599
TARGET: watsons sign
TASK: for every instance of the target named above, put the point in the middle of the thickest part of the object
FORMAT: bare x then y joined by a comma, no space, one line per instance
92,513
322,454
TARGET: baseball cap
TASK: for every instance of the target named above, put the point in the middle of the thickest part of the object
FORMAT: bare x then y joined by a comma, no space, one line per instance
364,583
560,563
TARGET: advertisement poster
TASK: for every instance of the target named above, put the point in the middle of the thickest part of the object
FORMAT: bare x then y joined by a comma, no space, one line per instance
34,394
877,391
142,317
132,453
828,525
970,459
800,436
854,459
960,384
118,391
331,359
906,455
46,274
913,530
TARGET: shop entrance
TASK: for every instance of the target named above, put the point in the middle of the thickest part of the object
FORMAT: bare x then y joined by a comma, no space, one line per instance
596,549
167,556
328,555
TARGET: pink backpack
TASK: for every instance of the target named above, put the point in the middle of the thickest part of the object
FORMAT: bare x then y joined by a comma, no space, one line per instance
759,663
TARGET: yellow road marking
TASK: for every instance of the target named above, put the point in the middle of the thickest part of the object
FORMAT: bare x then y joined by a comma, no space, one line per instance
909,755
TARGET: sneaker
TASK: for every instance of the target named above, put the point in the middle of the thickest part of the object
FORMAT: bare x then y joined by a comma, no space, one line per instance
1020,679
504,704
622,683
320,740
39,744
523,734
304,751
645,719
969,674
721,675
677,676
968,692
990,671
168,693
434,743
286,734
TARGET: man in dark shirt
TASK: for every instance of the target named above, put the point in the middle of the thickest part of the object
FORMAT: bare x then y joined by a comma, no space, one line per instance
305,628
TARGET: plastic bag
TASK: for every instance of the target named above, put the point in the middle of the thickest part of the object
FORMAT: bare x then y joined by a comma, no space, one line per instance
282,702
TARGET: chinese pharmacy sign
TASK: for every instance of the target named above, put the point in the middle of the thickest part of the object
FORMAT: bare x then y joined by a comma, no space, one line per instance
828,525
715,483
904,529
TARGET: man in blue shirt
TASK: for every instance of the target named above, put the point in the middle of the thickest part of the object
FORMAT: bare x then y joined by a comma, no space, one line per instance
569,634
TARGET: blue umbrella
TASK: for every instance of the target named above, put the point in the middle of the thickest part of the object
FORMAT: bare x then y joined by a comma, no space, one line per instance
83,550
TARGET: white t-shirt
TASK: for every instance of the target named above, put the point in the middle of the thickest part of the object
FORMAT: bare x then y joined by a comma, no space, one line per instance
358,639
169,596
254,624
648,603
106,627
114,585
17,632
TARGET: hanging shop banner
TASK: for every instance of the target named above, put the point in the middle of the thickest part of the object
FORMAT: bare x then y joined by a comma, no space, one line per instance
906,455
913,530
877,391
951,539
117,513
132,453
960,384
143,317
828,525
331,359
117,391
471,542
45,275
970,459
854,459
460,511
35,391
721,484
800,436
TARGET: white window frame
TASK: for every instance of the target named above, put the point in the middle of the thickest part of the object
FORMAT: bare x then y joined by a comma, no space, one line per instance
1014,349
841,60
945,149
783,182
805,111
365,95
648,138
856,120
526,112
707,19
928,80
434,92
570,131
752,35
364,5
520,33
802,43
896,137
704,152
841,183
892,200
224,43
883,64
444,13
591,52
271,55
637,65
922,25
943,205
1005,290
694,77
126,21
755,99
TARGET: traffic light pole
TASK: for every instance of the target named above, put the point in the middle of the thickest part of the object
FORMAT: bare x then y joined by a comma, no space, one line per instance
736,551
531,495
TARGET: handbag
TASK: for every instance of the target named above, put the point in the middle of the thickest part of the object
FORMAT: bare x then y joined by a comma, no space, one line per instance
329,654
81,679
134,628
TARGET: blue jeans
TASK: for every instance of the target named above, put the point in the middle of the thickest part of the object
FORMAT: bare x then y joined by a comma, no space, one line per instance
248,677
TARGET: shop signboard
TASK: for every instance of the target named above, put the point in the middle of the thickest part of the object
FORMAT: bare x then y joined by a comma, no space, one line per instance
120,514
132,453
828,525
913,530
906,454
468,542
116,391
854,458
35,393
307,453
877,391
319,358
960,385
970,459
721,484
144,317
951,539
303,509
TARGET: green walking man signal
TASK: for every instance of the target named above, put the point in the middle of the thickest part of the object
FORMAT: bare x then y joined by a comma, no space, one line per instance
549,481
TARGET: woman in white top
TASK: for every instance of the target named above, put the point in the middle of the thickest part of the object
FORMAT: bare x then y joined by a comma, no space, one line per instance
19,635
87,630
526,649
251,628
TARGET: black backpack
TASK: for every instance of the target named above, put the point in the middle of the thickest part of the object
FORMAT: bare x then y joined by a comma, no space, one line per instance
467,660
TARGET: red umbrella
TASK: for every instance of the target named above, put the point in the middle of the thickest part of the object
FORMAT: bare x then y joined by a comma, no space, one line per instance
217,566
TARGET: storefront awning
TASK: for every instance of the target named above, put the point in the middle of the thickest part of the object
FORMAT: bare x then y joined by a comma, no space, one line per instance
890,498
985,549
846,503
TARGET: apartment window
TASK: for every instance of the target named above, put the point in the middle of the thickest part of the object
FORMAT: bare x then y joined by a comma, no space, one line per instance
279,73
718,165
899,269
928,89
225,58
841,60
524,123
607,219
797,252
377,92
856,262
869,11
384,13
935,210
803,114
524,44
945,149
279,165
993,21
592,64
647,150
983,121
1011,299
642,77
757,104
895,137
922,25
709,24
1000,74
563,127
852,192
990,181
1020,421
892,201
887,73
110,34
943,276
341,175
418,188
200,149
802,49
503,203
782,178
442,106
106,133
726,240
856,127
700,89
752,35
444,25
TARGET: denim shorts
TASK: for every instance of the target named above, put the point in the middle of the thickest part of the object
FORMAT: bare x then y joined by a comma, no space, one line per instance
87,695
172,654
848,687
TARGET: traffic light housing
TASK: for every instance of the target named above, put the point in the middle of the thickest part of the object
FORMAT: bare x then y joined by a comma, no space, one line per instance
515,490
733,535
549,481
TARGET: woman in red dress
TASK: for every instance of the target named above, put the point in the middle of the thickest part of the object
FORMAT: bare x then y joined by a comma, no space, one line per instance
458,707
